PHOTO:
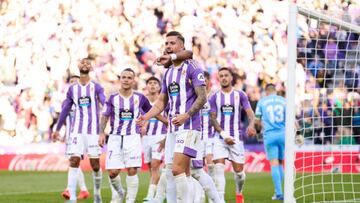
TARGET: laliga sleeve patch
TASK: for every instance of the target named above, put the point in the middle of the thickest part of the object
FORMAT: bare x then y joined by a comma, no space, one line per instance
201,77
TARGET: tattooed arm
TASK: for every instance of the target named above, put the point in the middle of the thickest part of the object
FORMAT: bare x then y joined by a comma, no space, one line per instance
197,105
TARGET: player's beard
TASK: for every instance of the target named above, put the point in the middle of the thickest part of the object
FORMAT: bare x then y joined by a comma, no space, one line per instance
84,71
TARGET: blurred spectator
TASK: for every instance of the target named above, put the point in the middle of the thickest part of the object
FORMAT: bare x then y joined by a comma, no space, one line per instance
43,40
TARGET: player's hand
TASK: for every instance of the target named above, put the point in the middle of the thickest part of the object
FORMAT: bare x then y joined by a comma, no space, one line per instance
140,121
55,136
180,119
299,140
102,139
229,140
161,145
164,60
251,131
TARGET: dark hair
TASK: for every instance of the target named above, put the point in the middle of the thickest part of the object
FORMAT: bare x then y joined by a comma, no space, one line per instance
176,34
153,78
228,69
207,75
129,70
270,86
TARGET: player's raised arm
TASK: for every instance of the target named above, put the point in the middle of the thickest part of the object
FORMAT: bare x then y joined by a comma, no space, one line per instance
167,59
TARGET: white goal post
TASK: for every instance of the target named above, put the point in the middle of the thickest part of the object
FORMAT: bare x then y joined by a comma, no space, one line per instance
319,194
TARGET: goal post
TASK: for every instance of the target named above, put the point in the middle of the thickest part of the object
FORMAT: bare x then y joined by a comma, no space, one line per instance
322,106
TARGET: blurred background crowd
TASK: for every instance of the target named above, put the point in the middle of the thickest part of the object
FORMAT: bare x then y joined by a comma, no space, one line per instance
41,42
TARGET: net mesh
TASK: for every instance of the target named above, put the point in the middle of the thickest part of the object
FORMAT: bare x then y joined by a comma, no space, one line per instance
327,165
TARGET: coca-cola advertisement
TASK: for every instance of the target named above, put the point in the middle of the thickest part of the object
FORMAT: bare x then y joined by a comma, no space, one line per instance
50,157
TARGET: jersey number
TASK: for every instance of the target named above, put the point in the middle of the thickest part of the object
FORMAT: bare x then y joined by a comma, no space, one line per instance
276,113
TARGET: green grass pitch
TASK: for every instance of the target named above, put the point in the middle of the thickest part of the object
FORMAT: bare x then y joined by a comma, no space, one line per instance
45,187
41,187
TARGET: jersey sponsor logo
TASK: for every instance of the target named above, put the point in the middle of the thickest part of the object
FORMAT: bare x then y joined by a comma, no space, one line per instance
227,109
84,101
174,89
205,110
126,115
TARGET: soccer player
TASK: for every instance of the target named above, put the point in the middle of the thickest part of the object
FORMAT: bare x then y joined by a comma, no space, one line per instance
225,112
197,163
86,96
271,111
84,194
156,131
183,88
124,144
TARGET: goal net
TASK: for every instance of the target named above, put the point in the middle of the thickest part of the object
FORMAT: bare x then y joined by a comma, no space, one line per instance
323,104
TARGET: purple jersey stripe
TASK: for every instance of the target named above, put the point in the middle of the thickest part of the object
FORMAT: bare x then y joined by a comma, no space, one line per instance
121,122
177,101
232,102
222,102
89,109
80,110
128,129
112,116
170,101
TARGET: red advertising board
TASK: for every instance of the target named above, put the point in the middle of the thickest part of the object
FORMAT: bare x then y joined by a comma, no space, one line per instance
46,158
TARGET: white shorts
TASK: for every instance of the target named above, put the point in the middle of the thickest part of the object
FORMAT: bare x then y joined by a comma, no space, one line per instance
151,145
235,152
80,143
123,152
183,141
209,146
198,161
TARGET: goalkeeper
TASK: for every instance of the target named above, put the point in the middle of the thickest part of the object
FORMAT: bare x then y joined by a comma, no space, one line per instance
271,111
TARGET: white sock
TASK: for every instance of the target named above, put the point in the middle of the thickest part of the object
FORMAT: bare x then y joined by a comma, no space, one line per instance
72,176
182,188
117,187
198,191
132,183
161,188
211,168
191,187
171,186
81,180
151,191
239,181
114,193
97,182
207,184
220,179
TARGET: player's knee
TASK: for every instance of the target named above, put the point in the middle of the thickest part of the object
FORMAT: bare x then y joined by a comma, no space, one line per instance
74,162
113,173
239,168
95,164
132,171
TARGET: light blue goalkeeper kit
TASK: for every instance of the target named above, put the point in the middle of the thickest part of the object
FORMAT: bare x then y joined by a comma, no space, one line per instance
271,110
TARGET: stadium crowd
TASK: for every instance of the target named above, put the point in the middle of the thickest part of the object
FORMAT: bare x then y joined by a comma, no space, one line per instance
42,42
